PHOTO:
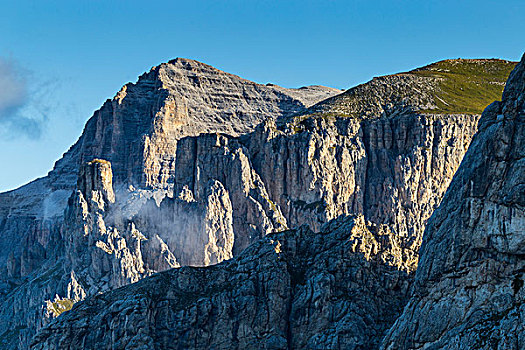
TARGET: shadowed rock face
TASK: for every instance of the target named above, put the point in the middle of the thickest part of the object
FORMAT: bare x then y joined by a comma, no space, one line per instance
340,288
469,290
193,165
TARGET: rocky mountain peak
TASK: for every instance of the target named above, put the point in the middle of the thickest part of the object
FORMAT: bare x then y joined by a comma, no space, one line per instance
174,100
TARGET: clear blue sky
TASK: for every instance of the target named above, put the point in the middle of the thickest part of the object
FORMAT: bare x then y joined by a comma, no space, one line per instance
59,60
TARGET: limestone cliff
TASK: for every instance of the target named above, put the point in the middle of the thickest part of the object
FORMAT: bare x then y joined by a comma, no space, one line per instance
468,292
340,288
191,165
137,132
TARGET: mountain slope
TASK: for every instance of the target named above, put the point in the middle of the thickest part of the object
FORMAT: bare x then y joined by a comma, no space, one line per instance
174,171
295,289
469,290
460,86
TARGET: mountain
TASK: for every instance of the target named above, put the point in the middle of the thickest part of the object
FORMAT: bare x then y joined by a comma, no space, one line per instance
468,290
344,286
137,131
340,288
191,165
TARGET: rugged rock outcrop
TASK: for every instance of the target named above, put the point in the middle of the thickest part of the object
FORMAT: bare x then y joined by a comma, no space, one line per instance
340,288
468,292
393,170
192,165
137,132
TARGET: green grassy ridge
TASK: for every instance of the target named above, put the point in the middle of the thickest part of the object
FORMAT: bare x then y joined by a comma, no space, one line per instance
466,85
454,86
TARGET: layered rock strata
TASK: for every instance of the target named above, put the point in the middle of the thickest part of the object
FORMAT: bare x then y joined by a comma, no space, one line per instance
175,171
469,290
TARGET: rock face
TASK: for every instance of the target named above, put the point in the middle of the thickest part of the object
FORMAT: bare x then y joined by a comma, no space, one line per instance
468,292
191,165
392,170
137,132
295,289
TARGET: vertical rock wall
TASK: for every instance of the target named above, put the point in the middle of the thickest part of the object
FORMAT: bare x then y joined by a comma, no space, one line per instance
468,292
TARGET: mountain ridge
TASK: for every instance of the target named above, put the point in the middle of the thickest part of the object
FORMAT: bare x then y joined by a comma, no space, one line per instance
433,97
344,286
192,189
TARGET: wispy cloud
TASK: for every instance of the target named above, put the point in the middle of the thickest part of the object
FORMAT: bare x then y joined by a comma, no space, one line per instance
21,111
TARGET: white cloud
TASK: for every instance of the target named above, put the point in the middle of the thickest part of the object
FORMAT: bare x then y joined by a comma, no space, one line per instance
19,111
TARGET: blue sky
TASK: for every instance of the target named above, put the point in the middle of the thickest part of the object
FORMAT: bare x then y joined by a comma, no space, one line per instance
60,60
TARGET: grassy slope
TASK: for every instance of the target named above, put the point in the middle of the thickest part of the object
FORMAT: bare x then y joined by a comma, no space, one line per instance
467,86
459,86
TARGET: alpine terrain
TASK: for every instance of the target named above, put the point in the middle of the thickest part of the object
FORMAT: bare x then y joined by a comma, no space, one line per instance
202,210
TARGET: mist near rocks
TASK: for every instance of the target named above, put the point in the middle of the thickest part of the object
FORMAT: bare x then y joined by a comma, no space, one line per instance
196,233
